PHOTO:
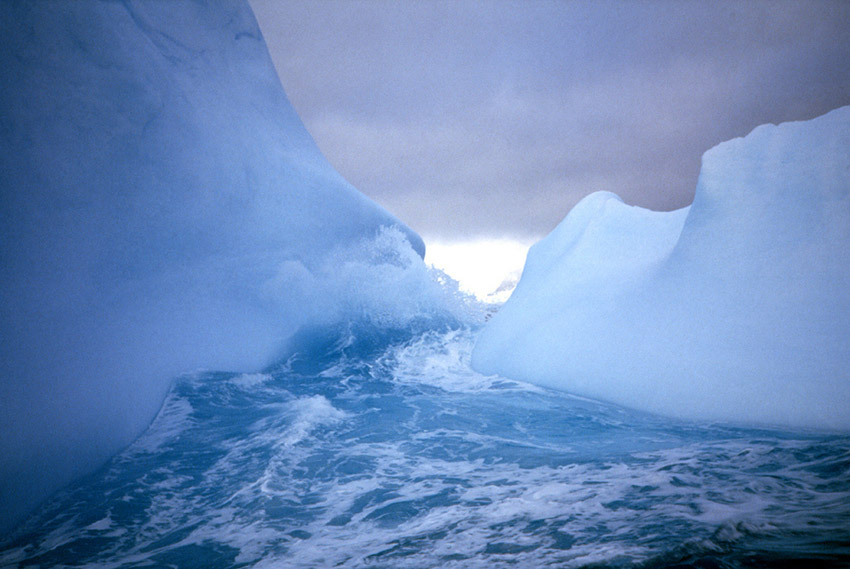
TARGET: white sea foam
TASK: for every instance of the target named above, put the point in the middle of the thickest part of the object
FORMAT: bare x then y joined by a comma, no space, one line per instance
251,380
365,469
309,413
441,359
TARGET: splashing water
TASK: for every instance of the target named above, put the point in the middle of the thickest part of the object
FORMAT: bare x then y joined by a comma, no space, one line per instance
399,455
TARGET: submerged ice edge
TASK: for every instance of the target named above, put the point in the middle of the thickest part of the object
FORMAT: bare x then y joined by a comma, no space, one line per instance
360,464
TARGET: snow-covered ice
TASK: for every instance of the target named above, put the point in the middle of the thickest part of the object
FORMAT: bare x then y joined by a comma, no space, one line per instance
734,309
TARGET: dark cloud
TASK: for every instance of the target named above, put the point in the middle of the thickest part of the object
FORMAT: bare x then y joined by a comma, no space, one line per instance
495,118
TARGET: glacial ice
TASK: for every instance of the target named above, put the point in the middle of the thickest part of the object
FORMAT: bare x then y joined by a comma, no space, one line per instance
163,209
734,309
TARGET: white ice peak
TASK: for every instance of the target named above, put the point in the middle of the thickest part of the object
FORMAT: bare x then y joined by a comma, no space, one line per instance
736,308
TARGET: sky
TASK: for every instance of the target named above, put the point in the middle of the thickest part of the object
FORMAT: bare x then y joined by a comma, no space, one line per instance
477,121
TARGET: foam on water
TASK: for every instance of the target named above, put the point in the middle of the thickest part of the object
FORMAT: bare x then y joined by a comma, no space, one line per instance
408,458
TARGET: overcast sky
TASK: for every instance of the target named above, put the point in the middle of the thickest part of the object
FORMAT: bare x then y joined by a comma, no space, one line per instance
492,119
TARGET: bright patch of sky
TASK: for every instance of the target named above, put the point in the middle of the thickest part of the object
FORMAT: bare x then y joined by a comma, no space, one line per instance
481,266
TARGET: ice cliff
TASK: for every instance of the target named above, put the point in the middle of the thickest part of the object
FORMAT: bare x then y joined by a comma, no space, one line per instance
734,309
163,209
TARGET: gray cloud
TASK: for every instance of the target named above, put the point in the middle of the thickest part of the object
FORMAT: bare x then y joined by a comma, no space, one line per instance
494,118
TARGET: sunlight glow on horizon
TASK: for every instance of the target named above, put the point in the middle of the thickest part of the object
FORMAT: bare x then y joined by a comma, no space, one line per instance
479,265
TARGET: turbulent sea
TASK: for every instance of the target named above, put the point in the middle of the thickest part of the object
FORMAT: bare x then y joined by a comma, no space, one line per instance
380,450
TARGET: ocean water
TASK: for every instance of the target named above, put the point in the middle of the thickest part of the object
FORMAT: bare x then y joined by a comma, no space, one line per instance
383,450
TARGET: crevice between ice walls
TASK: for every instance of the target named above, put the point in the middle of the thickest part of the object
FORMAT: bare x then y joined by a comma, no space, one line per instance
736,309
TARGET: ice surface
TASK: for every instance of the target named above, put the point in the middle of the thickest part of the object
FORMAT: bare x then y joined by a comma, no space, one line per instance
163,209
734,309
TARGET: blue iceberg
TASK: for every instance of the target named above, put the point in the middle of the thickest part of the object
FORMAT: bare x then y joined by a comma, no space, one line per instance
736,308
163,209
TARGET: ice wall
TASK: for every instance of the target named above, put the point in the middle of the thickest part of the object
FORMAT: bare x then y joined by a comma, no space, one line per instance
734,309
163,209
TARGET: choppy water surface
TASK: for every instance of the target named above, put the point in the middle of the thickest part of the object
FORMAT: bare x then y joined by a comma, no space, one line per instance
360,456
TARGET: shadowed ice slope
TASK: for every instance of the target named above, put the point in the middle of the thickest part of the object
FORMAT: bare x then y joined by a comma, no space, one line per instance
734,309
162,209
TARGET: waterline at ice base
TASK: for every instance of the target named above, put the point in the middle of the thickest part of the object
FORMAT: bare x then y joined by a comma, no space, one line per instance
217,353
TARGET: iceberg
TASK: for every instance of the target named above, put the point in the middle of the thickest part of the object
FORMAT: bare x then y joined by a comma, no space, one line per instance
734,309
163,210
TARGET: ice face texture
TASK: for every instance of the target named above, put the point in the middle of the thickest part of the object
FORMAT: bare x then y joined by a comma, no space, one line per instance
734,309
163,209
